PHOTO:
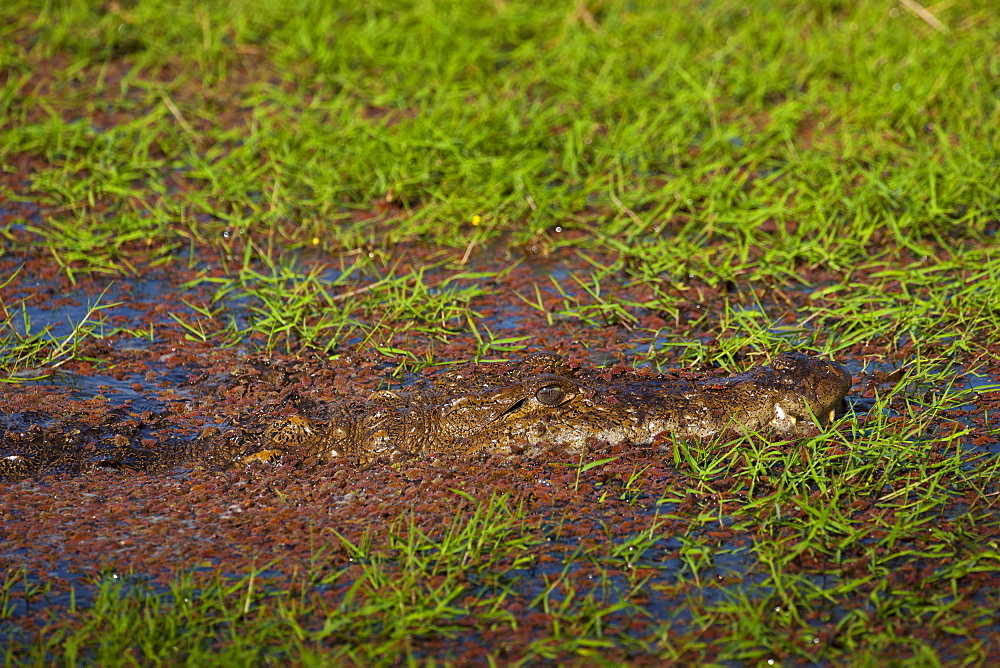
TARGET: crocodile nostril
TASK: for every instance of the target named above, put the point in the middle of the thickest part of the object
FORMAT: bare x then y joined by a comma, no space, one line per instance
550,395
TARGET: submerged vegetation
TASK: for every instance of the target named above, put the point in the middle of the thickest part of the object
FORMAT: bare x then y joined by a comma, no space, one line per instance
400,186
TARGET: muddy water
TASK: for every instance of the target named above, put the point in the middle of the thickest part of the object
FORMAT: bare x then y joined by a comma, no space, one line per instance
123,464
146,394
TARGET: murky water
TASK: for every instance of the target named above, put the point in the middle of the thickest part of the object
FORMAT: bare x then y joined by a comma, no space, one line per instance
133,317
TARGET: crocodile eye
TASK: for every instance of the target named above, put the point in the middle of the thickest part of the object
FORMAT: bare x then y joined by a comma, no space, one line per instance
550,395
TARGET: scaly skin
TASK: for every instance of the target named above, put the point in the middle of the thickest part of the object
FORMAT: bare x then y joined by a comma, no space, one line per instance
522,407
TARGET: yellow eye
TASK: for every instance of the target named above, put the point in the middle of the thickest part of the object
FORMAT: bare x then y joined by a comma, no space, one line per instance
550,395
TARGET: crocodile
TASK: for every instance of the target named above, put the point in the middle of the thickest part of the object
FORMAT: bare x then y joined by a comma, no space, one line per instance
543,399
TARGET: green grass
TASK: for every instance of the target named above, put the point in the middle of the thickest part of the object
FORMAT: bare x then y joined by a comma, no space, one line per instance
758,177
29,353
669,136
525,116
